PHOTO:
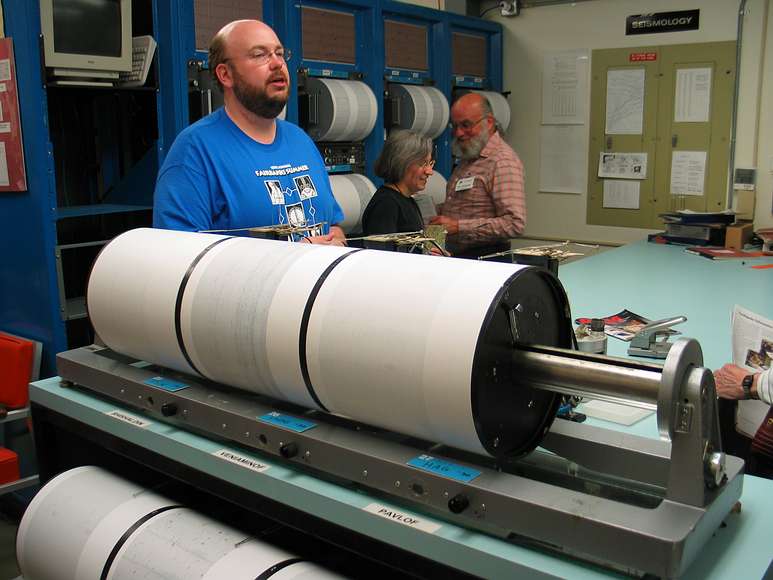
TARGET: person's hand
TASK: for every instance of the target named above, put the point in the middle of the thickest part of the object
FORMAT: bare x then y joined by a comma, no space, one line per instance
326,240
450,224
435,251
336,237
728,380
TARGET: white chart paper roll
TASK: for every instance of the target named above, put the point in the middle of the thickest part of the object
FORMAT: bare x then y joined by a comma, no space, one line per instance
346,110
422,109
352,192
227,308
500,108
436,187
89,523
404,342
56,538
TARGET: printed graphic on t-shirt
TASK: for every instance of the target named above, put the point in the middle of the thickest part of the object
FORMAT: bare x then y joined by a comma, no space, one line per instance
292,192
296,217
275,192
305,186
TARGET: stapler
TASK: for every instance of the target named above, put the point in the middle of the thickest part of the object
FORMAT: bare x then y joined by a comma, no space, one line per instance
646,342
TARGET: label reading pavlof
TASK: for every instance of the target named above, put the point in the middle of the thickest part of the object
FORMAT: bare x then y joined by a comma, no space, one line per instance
127,418
243,461
444,468
409,520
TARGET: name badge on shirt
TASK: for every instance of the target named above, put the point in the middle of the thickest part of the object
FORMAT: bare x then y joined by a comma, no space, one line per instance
464,184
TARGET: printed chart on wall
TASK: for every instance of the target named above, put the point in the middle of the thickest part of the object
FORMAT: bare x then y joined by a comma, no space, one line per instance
563,132
12,174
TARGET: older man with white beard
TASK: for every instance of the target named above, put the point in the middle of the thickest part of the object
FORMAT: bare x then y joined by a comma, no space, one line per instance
241,167
485,204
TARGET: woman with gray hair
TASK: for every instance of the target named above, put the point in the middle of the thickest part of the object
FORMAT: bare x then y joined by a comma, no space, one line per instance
405,164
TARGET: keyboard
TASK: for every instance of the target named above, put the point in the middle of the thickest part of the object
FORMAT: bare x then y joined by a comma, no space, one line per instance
143,48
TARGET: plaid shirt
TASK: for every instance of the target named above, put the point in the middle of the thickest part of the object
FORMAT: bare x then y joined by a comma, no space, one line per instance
493,209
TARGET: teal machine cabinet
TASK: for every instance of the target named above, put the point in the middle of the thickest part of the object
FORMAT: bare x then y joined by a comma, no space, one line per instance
92,153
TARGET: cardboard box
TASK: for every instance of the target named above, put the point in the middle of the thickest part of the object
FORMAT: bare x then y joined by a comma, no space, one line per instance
738,235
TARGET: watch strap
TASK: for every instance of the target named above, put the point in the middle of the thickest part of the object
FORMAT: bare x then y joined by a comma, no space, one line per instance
746,384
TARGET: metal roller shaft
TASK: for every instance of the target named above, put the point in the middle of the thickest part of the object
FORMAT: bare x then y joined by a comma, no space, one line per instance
573,373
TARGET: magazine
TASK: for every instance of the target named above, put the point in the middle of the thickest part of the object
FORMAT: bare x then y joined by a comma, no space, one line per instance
623,325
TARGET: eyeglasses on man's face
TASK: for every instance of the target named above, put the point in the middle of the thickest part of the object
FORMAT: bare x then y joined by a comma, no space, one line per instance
465,125
260,57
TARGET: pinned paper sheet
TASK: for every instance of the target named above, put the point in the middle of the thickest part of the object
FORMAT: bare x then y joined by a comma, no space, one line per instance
625,102
688,172
692,99
622,194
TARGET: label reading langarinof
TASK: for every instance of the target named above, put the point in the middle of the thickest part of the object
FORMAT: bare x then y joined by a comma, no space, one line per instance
409,520
129,418
287,422
166,384
444,468
243,461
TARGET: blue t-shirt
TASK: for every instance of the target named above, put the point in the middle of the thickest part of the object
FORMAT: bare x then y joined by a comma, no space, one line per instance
215,177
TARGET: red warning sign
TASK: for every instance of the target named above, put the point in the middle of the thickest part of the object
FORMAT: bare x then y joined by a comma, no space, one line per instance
642,56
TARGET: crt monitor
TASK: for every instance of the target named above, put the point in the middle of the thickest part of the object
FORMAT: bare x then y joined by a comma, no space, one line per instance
87,38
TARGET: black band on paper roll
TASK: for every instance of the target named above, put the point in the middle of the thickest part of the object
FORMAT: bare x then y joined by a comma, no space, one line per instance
277,567
179,302
128,533
305,326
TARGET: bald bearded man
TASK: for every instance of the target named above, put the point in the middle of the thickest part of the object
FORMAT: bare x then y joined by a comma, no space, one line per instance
485,204
241,167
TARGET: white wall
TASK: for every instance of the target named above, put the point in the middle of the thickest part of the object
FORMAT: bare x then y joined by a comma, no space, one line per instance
601,24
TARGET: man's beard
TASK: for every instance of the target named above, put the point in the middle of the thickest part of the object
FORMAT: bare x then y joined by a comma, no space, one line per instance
255,99
471,149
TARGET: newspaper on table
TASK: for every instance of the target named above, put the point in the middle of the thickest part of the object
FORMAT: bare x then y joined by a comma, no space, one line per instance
752,350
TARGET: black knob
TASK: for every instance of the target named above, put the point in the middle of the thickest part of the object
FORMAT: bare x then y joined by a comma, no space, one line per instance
169,409
458,503
288,450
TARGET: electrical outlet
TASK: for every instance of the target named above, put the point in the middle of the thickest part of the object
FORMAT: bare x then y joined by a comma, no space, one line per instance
508,8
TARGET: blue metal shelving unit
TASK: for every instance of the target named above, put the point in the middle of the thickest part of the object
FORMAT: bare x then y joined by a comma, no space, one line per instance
30,287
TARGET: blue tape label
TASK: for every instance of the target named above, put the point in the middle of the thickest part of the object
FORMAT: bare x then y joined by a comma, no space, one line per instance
287,422
444,468
166,384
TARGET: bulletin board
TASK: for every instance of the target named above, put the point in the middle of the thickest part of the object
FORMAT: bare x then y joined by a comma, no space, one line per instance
659,131
12,173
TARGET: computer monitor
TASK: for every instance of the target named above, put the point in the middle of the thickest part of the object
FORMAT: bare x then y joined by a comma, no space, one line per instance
87,39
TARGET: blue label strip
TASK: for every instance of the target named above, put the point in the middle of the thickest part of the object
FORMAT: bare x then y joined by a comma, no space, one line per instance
287,422
471,82
444,468
166,384
338,168
328,72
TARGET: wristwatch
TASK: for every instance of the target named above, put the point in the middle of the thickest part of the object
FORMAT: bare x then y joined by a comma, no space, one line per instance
747,382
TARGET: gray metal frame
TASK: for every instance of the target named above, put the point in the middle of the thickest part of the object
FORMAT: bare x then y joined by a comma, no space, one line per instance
664,508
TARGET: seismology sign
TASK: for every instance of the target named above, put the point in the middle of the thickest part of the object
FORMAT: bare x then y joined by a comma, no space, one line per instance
662,22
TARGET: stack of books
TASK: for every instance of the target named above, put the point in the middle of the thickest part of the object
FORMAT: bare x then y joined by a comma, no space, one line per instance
693,228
